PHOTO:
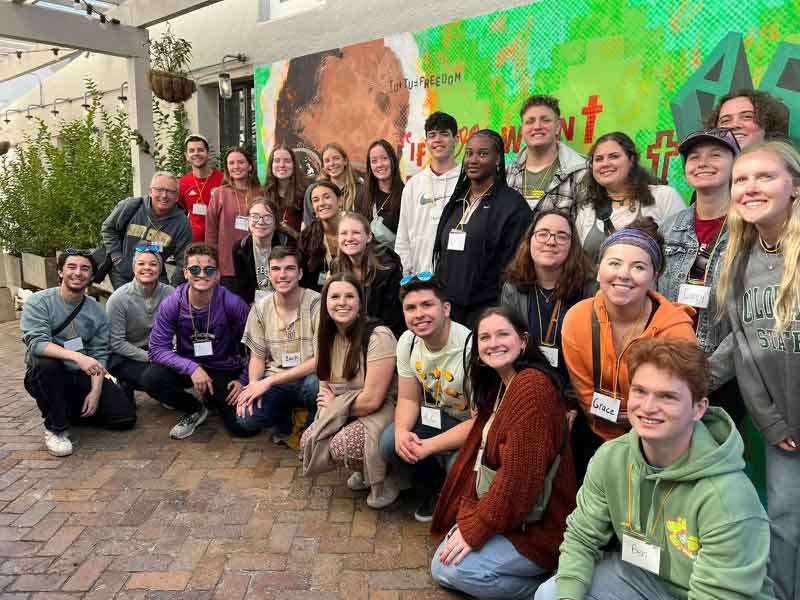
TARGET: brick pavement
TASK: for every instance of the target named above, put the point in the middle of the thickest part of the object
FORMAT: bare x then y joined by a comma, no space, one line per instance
135,515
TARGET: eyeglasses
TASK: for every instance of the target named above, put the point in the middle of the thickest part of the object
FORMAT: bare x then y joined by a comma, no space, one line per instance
148,248
78,252
265,219
195,270
424,276
166,191
543,236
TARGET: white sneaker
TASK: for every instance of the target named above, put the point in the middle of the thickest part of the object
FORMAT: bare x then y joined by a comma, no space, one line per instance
58,444
356,482
383,494
186,426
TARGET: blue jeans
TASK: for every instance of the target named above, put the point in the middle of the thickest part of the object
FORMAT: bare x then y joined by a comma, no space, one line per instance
614,579
428,473
277,404
783,508
497,570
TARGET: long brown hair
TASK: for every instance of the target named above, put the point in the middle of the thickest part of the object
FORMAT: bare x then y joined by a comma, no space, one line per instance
373,189
358,333
252,182
297,183
576,271
312,238
371,261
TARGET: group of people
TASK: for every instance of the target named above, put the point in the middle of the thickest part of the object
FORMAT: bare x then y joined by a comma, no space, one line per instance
556,358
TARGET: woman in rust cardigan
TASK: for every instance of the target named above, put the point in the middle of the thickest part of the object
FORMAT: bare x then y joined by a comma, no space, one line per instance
494,546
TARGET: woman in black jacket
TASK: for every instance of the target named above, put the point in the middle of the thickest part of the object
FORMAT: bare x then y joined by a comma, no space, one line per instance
376,266
479,230
251,254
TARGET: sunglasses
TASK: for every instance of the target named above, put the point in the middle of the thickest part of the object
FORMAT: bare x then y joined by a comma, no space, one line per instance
148,248
424,276
78,252
195,270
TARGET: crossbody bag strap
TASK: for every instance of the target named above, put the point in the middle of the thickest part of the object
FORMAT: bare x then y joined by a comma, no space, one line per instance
596,372
69,319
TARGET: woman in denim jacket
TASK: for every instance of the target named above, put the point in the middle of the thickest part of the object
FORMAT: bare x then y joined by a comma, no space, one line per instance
696,239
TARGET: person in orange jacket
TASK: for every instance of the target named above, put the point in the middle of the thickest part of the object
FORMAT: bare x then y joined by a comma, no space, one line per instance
598,331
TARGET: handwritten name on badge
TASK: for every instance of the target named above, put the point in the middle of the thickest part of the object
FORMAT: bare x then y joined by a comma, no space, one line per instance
694,295
605,407
641,553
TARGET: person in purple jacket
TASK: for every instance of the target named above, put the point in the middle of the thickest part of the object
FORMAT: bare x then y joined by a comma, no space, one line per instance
207,322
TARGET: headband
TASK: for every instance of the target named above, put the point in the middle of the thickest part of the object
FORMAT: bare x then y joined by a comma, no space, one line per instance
152,252
638,238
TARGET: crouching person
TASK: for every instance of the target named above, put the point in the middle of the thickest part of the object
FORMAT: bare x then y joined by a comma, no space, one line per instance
506,499
206,321
355,365
674,492
67,339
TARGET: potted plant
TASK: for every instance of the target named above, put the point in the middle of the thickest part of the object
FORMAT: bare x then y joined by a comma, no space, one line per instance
170,57
5,146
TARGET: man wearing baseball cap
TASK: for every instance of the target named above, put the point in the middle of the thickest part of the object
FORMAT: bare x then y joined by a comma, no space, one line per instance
695,241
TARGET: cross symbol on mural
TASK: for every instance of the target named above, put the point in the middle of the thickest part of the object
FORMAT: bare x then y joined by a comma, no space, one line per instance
665,147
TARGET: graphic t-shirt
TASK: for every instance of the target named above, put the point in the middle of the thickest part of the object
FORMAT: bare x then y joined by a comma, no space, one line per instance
440,373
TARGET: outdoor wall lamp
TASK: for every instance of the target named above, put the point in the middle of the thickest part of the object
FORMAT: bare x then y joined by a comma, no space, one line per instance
225,85
86,105
122,97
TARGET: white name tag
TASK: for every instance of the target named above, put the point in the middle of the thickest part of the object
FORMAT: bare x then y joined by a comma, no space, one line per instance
432,417
203,349
290,359
158,244
261,294
75,344
478,460
198,208
457,240
641,554
605,407
323,277
240,223
551,354
694,295
338,388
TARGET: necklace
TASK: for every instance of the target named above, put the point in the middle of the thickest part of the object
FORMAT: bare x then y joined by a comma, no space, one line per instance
767,250
547,297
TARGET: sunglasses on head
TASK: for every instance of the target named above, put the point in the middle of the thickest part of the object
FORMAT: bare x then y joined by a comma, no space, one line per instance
148,248
78,252
195,270
424,276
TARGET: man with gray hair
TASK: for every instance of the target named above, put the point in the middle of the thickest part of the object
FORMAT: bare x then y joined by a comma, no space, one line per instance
156,219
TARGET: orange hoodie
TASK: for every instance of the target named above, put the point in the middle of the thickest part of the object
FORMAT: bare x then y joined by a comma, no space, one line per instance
669,320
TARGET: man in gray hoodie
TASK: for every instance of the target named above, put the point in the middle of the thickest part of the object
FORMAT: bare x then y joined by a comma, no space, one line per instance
156,218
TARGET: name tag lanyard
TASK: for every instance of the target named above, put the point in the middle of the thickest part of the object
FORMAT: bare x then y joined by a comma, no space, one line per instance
295,325
498,401
191,316
72,329
548,338
597,367
628,524
468,208
200,188
714,245
152,227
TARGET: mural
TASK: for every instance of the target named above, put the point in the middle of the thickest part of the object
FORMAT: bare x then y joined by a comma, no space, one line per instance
650,68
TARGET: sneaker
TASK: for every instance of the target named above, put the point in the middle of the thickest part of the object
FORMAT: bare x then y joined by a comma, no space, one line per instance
58,444
356,482
424,512
382,494
281,439
186,426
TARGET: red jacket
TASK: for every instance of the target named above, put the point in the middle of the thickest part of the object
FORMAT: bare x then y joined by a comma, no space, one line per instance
524,438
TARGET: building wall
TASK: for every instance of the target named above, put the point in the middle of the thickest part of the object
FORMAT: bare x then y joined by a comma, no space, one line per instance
231,27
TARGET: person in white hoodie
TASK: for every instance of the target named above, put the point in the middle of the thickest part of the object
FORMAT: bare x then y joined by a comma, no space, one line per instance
425,195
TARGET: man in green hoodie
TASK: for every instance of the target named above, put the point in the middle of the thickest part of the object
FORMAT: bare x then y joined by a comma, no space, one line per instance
673,491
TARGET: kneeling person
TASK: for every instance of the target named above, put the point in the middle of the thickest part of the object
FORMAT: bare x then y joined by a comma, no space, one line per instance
207,322
281,334
67,335
674,492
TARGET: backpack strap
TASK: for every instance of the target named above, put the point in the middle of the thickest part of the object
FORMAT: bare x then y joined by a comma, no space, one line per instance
70,318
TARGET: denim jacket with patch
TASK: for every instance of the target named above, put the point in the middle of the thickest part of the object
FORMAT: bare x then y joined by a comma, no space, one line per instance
681,248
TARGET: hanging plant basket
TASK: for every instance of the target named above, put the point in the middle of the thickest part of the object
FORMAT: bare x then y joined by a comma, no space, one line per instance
171,87
5,146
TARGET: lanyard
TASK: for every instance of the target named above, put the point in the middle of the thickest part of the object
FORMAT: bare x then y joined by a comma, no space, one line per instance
597,357
713,245
629,523
501,394
191,315
72,321
197,185
549,337
469,208
240,211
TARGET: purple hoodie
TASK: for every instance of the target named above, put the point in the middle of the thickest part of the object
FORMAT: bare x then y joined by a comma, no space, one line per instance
228,318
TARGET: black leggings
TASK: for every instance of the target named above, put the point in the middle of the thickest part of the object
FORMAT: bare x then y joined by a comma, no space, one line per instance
60,393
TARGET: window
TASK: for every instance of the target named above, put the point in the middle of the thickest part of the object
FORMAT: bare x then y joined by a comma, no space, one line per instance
237,117
277,9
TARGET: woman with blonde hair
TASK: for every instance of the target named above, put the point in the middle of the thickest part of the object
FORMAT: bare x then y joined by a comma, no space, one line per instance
336,167
760,291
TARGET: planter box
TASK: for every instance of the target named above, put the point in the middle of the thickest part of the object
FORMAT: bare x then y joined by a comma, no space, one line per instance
6,305
39,271
11,272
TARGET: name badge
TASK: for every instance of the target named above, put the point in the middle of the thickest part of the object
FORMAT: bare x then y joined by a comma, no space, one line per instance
641,553
432,417
338,388
551,354
605,407
290,359
323,277
75,344
478,460
694,295
158,244
261,294
203,349
457,240
240,223
198,208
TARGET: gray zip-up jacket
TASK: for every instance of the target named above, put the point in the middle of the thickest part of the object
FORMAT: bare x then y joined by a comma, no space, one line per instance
560,193
681,248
